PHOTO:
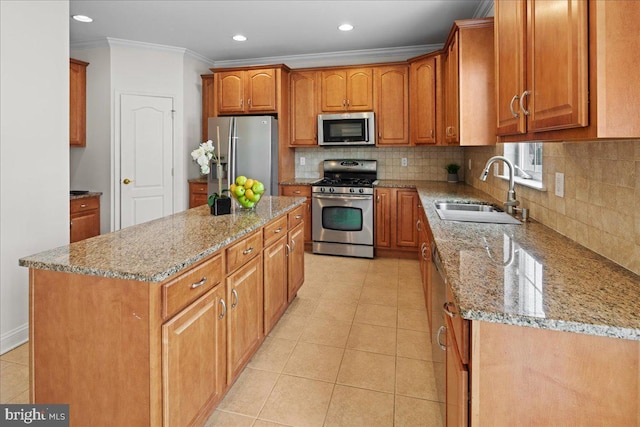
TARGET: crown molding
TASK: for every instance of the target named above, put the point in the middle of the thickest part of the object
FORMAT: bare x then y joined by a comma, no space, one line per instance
113,42
350,57
89,44
199,57
484,9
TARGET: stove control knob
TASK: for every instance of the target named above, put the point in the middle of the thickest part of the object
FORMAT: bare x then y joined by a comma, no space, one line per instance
331,190
362,190
352,190
322,189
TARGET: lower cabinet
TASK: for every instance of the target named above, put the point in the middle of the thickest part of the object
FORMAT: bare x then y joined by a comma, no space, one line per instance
193,359
244,316
395,221
275,282
302,191
425,240
295,260
457,383
197,193
84,215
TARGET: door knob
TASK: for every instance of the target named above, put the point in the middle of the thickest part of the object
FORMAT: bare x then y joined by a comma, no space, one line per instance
126,181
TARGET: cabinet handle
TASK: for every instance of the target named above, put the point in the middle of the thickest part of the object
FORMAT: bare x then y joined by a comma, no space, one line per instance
249,102
448,131
70,223
431,133
202,189
378,198
446,310
224,309
200,283
293,245
418,223
235,294
524,94
298,216
297,192
513,112
83,205
247,251
348,102
288,248
241,103
441,329
278,230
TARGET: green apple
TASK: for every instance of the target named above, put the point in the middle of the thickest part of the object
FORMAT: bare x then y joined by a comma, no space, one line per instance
241,180
256,198
239,191
242,200
258,187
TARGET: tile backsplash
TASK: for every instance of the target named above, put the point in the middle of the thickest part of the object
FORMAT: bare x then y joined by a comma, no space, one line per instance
423,163
601,205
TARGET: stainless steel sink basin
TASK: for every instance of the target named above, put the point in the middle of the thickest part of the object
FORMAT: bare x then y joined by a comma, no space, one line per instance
469,207
473,212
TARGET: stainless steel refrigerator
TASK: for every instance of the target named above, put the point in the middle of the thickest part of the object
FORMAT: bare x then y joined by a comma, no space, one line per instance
249,147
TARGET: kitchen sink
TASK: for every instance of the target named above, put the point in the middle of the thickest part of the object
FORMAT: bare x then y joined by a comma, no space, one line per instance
470,207
473,212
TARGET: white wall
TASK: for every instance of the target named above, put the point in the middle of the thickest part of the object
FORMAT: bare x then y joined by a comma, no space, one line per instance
90,166
34,159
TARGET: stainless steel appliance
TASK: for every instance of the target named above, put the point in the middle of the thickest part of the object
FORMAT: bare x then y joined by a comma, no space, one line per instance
347,129
342,208
438,328
248,146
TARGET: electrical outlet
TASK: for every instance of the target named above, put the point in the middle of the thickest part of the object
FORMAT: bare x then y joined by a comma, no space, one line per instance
469,164
403,162
559,184
303,161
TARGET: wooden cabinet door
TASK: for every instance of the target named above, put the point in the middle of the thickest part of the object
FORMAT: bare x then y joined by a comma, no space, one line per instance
304,114
275,282
197,194
383,216
510,32
84,225
407,217
244,316
193,359
260,91
452,107
360,89
77,103
457,384
208,103
558,51
392,105
230,92
423,101
296,260
334,90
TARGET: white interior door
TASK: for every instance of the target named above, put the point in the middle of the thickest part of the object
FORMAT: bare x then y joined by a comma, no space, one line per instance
146,158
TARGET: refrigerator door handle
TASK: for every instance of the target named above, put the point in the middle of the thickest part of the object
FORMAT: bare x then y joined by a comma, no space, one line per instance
231,160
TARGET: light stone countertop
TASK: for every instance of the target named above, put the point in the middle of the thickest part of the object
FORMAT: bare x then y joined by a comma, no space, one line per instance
529,275
84,196
299,181
158,249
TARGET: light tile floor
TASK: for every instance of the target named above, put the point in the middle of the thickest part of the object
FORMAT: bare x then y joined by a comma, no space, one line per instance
353,350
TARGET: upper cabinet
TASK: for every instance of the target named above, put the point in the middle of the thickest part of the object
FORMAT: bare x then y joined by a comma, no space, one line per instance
564,69
347,89
208,103
77,103
246,91
469,89
541,65
424,95
304,108
391,94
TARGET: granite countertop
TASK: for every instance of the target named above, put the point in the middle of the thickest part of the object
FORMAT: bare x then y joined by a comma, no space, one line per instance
86,195
158,249
529,275
299,181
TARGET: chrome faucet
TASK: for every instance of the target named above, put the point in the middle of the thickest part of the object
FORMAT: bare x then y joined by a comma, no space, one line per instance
511,202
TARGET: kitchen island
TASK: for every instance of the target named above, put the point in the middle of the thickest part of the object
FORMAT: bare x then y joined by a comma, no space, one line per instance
152,324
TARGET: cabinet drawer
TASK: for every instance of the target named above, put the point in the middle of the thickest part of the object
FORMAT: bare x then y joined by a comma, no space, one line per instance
84,204
186,288
275,229
296,190
460,327
198,188
296,216
243,251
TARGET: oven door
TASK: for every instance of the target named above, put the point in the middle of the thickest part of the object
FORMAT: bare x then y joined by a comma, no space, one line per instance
343,219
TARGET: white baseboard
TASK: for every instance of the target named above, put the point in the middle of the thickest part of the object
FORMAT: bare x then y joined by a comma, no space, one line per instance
14,338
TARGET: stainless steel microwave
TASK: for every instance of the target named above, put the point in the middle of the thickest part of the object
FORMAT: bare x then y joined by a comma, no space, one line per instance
347,129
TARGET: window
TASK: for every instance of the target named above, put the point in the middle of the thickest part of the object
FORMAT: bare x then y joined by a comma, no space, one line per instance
527,159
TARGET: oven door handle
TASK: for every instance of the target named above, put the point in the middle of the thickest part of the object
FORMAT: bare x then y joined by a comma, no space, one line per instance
343,197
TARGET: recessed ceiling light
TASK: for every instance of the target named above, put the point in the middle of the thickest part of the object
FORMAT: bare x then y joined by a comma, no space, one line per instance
345,27
239,38
82,18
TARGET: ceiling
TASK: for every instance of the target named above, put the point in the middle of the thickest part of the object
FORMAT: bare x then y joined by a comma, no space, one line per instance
273,28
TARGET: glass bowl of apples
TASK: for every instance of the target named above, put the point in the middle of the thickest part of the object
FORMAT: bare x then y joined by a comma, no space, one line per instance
247,192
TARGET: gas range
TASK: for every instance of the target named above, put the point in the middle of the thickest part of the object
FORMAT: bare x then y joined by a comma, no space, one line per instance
347,177
342,207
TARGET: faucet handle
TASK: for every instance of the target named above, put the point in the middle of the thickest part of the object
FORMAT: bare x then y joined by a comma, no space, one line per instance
512,203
